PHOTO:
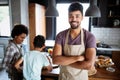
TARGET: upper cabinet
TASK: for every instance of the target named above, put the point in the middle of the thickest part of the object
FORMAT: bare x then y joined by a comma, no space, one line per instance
110,14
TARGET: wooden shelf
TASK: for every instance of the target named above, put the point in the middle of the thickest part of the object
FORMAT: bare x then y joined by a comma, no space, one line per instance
116,16
109,12
112,5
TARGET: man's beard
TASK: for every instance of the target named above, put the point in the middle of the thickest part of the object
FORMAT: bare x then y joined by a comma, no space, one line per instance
74,26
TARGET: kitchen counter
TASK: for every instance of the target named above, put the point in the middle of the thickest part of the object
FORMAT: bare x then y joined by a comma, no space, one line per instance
113,48
102,74
53,75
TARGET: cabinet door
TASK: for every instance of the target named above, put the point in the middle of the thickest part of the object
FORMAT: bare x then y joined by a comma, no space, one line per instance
116,58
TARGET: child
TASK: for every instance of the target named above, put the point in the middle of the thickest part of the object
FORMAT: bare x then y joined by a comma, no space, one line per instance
35,60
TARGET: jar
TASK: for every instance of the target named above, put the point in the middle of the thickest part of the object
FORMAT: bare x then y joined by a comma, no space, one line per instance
116,22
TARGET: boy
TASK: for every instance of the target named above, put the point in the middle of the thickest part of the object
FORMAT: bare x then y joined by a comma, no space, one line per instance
35,60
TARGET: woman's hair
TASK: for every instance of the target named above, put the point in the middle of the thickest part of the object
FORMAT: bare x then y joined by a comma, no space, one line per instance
76,6
19,29
39,41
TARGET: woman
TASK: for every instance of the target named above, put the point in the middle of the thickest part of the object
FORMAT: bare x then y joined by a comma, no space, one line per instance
14,51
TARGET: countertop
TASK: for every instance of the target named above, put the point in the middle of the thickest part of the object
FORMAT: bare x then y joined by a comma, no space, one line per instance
102,74
113,48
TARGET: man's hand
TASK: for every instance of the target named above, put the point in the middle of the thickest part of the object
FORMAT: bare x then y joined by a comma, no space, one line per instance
81,58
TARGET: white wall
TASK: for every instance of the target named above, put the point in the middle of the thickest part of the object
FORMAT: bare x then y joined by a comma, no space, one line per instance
107,35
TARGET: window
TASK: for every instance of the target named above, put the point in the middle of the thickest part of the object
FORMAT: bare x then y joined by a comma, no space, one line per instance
4,21
62,21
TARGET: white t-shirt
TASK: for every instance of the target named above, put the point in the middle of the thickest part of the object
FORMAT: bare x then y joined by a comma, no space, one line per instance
33,64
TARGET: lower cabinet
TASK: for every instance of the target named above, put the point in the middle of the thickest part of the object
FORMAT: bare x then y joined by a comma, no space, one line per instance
116,58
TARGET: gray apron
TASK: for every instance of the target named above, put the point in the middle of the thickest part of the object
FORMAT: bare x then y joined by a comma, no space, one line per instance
68,72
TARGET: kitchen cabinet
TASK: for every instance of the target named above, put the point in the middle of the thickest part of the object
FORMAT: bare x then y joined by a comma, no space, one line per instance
110,14
116,58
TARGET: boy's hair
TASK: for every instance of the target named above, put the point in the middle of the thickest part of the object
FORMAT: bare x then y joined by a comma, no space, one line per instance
39,41
75,6
19,29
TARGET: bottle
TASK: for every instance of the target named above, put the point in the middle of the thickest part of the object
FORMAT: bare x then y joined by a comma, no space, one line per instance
110,13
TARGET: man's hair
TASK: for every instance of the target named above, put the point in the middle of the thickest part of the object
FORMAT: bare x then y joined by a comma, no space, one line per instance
75,6
18,30
39,41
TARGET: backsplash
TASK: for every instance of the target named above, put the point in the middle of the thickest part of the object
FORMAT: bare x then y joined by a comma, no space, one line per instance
107,35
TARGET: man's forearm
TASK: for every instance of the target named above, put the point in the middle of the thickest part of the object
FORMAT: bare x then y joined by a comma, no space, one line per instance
66,60
81,65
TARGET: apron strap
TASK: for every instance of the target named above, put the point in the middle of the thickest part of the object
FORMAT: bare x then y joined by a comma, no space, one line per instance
82,37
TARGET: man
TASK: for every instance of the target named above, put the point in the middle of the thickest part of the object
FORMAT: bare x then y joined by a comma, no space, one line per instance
14,51
74,48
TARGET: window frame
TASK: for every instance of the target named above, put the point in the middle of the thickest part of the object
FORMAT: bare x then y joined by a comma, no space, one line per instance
6,4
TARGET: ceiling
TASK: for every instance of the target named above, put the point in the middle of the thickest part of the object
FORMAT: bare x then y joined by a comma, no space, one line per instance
45,2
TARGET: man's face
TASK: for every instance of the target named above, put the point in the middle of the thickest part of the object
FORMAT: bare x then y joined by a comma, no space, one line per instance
75,19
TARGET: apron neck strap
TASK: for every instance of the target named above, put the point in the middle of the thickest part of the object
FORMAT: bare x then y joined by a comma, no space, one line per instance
67,37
